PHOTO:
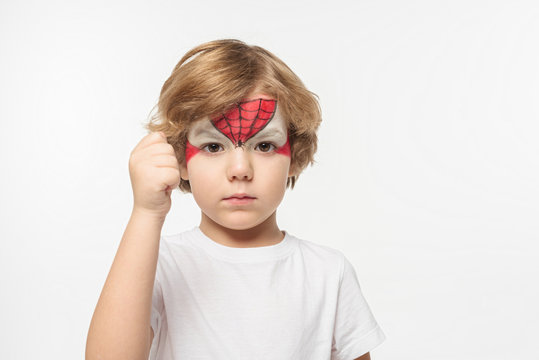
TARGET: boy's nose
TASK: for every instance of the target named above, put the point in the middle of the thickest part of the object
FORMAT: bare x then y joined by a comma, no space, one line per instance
240,165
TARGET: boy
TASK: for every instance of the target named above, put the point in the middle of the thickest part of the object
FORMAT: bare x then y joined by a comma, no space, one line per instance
235,127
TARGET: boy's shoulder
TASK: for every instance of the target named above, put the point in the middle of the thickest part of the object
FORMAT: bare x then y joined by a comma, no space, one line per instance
325,256
320,249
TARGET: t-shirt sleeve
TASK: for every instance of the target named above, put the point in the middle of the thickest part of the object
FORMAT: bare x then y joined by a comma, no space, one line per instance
356,331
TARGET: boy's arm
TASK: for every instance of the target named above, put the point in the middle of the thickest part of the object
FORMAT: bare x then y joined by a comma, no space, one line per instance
366,356
120,327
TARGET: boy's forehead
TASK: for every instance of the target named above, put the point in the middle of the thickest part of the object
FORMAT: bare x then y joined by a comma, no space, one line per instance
249,119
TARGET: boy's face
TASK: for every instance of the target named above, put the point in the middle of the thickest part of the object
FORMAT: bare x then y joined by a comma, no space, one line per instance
245,151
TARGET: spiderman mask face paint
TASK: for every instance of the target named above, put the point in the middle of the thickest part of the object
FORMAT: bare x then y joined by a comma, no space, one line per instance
254,125
243,154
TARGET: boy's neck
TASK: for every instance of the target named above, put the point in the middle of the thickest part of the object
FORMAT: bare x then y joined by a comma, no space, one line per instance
266,233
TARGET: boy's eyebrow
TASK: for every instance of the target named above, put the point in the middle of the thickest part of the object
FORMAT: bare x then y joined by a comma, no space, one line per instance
205,131
269,132
215,135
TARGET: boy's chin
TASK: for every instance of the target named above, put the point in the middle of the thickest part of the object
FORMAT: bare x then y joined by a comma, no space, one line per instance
239,223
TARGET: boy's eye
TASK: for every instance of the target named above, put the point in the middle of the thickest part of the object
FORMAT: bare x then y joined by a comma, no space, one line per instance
212,148
265,147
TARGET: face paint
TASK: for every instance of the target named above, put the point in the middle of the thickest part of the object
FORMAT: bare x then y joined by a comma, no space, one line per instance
247,125
245,120
285,149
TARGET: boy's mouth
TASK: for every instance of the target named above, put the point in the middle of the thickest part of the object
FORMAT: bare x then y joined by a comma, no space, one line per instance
240,196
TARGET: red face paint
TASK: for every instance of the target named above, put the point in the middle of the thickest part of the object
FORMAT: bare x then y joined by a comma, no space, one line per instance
245,120
285,149
190,151
242,123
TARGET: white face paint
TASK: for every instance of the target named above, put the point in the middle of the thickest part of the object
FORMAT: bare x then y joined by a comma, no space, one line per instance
204,133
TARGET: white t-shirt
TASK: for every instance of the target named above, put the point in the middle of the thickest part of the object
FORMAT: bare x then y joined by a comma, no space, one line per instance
294,300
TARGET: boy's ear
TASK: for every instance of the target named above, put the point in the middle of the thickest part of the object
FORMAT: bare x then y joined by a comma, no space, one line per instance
183,171
292,171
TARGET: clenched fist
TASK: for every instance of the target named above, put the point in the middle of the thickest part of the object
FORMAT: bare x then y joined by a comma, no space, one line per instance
154,172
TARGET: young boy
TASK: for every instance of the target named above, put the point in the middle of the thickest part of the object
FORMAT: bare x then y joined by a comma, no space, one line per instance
235,127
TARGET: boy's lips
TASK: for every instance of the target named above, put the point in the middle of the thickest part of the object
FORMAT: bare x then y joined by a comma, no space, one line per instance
240,196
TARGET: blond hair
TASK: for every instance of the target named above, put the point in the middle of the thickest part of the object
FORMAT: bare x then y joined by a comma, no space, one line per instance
214,76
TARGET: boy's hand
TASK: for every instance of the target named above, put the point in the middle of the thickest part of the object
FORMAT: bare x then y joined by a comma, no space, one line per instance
154,172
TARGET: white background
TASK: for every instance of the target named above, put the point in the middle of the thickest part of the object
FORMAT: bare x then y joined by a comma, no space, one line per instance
426,174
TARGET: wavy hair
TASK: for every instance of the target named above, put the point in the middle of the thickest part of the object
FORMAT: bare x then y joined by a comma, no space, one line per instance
214,76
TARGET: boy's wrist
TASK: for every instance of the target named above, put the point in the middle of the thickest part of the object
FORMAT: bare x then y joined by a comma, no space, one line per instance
148,215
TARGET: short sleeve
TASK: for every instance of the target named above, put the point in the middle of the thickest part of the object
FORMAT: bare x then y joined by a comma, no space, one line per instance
356,331
156,320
